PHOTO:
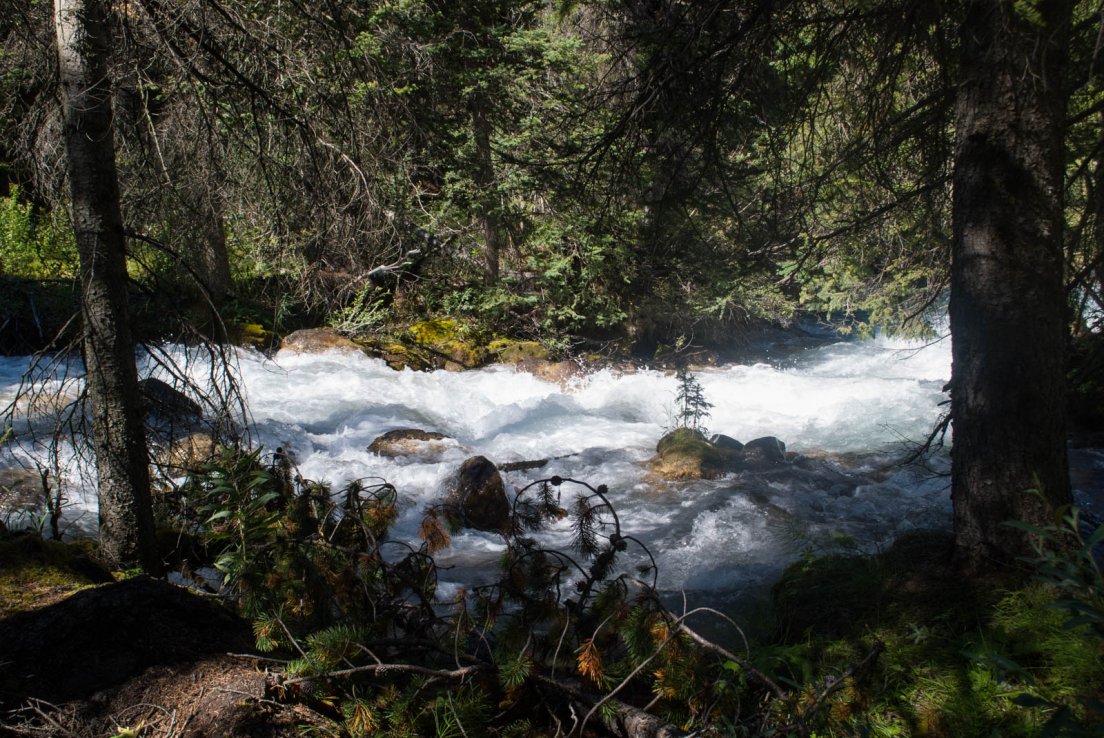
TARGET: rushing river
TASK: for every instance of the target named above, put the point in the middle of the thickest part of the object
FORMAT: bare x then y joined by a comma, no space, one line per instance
849,408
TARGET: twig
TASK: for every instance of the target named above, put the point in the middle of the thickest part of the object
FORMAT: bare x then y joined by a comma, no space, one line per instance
461,673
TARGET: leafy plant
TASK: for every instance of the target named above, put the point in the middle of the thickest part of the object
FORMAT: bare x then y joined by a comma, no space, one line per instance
34,244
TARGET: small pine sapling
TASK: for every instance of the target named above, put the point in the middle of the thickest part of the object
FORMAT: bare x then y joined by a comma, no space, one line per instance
692,409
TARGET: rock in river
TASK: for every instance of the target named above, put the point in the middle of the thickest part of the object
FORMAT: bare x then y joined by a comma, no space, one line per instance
479,496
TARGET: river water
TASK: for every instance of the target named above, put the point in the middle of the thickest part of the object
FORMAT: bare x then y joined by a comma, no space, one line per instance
849,408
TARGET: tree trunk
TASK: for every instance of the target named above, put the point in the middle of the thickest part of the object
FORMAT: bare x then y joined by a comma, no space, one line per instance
126,518
216,256
488,204
1007,300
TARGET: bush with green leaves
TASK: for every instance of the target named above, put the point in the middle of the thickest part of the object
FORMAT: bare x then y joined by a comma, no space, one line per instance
35,244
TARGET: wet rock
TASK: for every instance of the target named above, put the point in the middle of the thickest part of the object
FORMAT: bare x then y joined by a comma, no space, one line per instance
189,453
559,372
762,453
726,443
166,405
20,491
404,442
512,466
478,496
684,453
317,340
170,414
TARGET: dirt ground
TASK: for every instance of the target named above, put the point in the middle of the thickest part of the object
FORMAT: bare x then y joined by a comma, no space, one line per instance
138,658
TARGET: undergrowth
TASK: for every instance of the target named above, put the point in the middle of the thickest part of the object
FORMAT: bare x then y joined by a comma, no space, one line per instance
577,641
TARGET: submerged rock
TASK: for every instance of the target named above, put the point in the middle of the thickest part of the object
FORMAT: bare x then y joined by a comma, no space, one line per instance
559,372
404,442
478,496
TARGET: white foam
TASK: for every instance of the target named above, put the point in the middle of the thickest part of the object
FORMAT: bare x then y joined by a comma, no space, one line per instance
844,398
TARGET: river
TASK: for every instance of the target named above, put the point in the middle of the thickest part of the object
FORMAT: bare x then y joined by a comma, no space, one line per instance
850,409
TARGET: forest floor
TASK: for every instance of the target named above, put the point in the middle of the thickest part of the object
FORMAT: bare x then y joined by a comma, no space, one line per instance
88,656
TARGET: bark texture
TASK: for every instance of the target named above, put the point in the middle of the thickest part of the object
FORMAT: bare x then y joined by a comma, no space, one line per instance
126,518
1007,299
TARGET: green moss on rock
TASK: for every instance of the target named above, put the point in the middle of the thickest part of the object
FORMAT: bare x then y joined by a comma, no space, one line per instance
510,351
685,453
446,343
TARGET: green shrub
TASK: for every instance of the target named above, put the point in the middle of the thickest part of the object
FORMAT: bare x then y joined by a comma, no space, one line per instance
35,244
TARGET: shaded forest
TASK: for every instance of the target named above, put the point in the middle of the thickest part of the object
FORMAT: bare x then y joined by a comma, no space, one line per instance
652,179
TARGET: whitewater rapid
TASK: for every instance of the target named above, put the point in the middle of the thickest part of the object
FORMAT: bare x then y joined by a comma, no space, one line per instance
849,408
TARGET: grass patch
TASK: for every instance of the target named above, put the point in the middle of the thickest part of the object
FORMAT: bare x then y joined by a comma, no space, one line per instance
962,657
35,572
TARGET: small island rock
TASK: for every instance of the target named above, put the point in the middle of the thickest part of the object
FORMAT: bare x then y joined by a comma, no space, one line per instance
684,453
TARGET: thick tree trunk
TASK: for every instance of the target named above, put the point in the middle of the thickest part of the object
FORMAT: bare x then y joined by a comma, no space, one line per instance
1007,299
126,518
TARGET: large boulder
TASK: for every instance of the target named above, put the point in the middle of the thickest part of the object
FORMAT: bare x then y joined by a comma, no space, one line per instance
317,340
169,412
685,453
478,496
410,442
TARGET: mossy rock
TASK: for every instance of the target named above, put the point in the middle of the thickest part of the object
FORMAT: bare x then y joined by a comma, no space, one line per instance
36,572
827,596
685,453
434,331
447,344
510,351
253,335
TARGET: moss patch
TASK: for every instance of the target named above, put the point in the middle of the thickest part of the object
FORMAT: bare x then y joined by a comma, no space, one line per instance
253,335
35,573
446,343
510,351
684,453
